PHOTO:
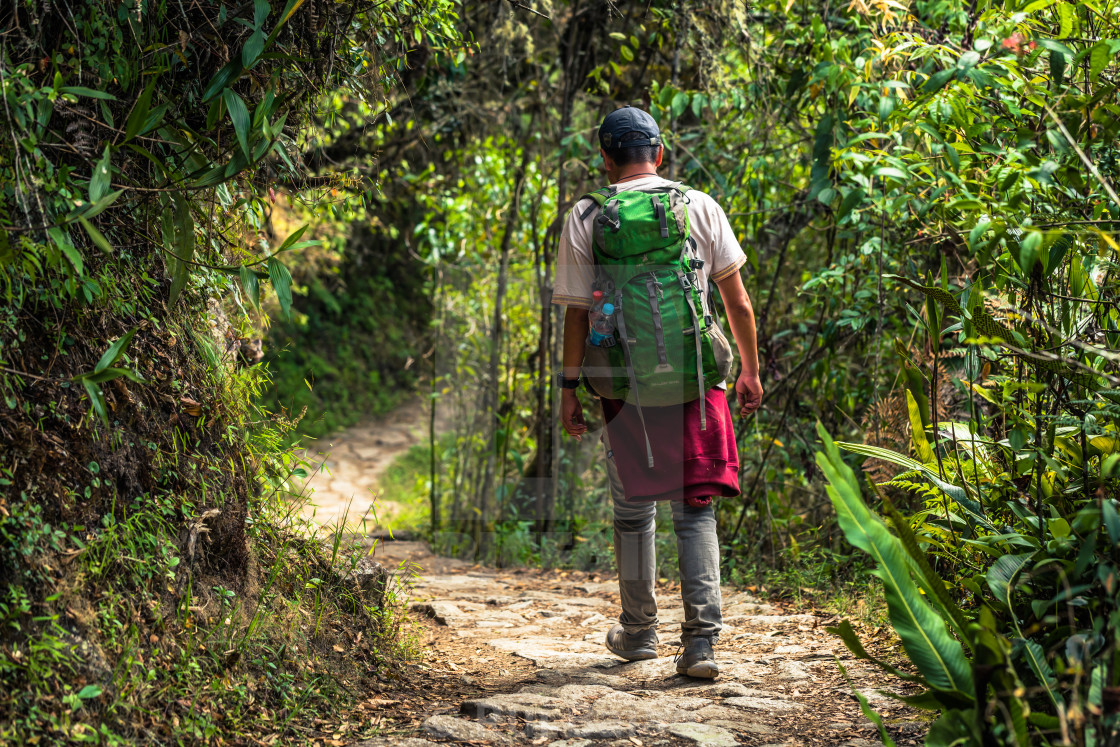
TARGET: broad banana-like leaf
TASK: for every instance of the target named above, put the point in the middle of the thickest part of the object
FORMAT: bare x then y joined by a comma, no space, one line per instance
1111,521
903,461
1001,576
1104,445
937,655
932,584
847,634
918,431
957,493
972,443
933,700
955,728
1036,660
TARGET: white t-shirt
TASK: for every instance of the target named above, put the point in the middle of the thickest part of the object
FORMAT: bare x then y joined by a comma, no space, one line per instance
715,244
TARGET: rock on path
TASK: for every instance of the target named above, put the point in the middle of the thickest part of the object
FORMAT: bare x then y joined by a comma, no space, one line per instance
779,683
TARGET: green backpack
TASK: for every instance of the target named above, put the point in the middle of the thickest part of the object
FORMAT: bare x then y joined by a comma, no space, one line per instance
666,349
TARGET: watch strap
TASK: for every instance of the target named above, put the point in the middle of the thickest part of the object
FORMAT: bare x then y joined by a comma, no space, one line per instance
565,383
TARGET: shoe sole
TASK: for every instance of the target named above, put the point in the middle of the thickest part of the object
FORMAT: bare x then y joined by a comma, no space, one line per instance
641,654
704,670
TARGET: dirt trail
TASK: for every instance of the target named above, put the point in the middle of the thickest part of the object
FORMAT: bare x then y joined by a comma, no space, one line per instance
516,657
354,460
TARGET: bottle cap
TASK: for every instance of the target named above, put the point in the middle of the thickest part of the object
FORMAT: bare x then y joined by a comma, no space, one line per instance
608,309
597,295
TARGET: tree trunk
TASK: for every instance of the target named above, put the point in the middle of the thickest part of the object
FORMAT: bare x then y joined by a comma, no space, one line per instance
493,382
433,472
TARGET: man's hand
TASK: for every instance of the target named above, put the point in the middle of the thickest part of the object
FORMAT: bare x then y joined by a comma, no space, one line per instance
571,414
749,391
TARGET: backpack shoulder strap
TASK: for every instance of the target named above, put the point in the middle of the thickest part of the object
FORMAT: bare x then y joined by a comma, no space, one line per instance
600,197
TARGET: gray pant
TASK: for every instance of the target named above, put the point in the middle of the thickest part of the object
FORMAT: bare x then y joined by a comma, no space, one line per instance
697,555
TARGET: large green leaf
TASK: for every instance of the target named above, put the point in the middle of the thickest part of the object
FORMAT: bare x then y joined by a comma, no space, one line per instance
115,351
183,249
917,431
1066,17
289,10
239,115
1111,521
95,235
931,583
139,114
89,92
955,492
96,400
281,283
847,634
1001,576
251,285
1036,660
1099,57
99,207
99,180
937,655
254,45
955,728
222,79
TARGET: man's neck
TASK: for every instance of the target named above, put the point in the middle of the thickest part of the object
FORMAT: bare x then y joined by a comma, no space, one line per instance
632,171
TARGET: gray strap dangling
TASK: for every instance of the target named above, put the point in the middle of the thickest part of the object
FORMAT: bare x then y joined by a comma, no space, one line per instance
699,359
621,321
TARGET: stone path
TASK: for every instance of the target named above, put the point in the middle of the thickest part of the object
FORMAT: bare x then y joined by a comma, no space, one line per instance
523,651
346,487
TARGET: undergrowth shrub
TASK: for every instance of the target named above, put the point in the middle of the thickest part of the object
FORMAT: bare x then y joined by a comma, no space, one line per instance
153,586
1003,584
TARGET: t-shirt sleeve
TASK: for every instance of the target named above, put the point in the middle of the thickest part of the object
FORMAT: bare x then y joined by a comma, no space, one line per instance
727,255
575,268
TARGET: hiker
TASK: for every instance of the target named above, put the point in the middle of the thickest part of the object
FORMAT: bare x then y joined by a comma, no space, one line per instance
639,255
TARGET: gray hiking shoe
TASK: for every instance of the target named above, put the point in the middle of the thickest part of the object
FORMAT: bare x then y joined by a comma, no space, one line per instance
698,660
632,646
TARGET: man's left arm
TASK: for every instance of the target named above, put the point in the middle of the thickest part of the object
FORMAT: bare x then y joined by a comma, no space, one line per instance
740,317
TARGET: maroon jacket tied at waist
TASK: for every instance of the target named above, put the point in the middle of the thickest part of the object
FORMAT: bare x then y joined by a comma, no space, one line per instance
687,462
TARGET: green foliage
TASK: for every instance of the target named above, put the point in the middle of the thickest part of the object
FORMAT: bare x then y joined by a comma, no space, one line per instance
1019,519
150,589
351,355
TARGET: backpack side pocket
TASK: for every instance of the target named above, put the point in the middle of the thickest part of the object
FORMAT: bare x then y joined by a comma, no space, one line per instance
722,355
605,371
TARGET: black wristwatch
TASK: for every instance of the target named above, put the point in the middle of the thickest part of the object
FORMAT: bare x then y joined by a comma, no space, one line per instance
564,382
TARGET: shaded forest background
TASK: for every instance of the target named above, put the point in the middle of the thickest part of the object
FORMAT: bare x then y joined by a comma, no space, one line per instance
926,194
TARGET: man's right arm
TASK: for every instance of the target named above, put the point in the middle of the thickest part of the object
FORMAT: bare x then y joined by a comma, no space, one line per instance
575,338
572,289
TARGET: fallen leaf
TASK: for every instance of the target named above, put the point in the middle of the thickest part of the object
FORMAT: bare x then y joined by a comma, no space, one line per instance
192,407
375,702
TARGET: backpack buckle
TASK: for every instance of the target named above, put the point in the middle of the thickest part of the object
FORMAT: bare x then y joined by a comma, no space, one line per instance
686,282
616,225
695,264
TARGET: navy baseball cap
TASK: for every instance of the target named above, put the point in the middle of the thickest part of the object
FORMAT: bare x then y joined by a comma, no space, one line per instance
624,121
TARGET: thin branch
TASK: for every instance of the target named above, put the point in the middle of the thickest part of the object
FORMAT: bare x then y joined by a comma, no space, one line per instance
516,4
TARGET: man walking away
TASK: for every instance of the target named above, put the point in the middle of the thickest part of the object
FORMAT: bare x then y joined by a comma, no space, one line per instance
655,363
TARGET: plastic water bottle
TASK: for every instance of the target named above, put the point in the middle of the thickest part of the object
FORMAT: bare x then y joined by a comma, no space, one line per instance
601,317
